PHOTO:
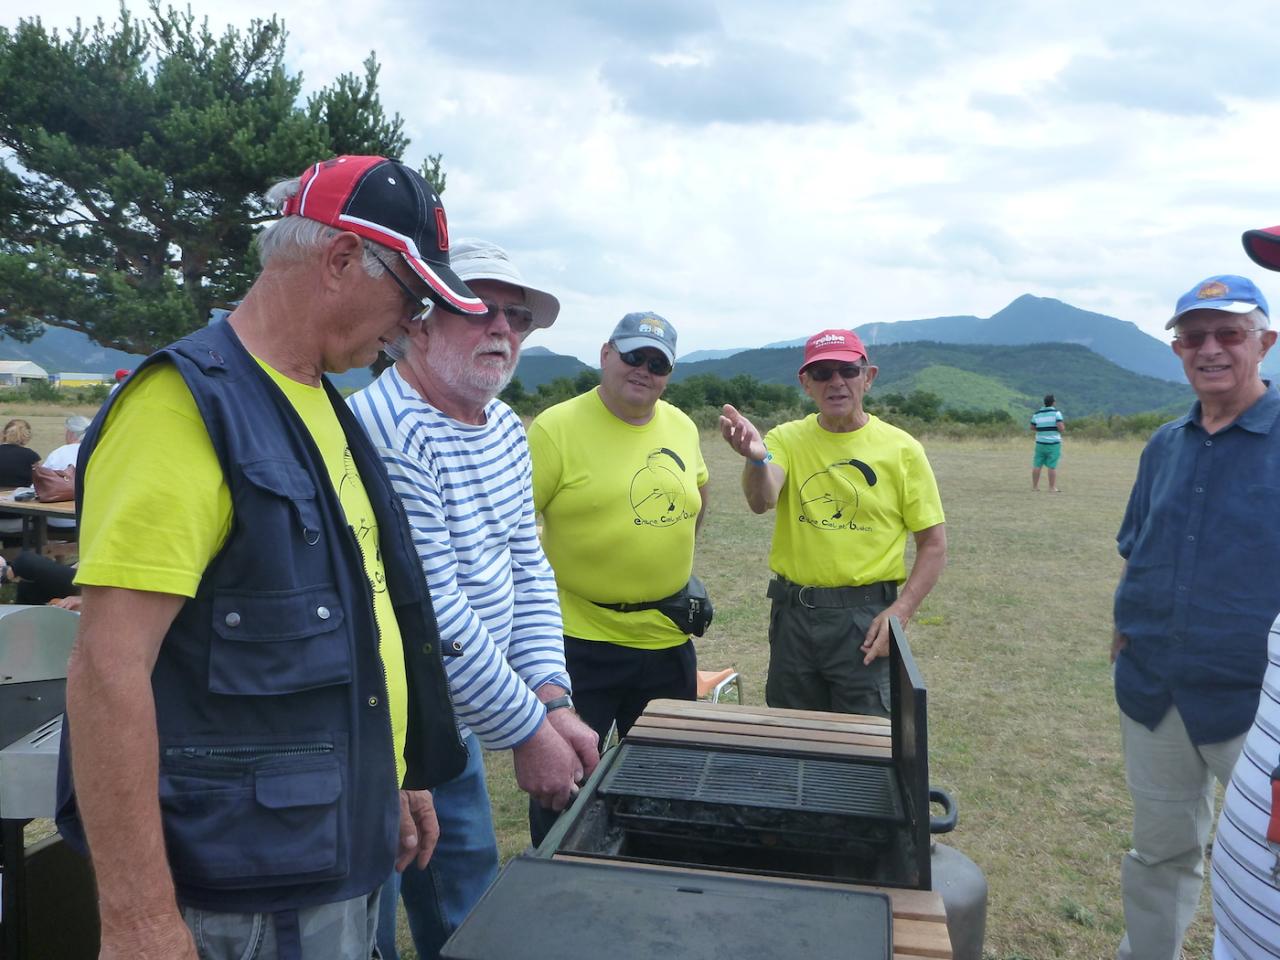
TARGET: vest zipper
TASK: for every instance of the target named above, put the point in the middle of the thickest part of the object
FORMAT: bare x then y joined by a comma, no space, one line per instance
250,752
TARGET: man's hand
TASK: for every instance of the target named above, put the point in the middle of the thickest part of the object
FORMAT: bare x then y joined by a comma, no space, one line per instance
419,829
579,736
1118,642
876,643
158,938
741,434
547,767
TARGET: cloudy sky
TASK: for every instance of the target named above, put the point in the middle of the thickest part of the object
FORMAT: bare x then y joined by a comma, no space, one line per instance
757,170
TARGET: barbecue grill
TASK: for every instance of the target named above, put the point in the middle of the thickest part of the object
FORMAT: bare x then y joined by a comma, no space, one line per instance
760,818
47,897
854,819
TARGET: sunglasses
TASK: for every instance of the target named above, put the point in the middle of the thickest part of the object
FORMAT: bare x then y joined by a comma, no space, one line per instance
1226,337
519,317
658,364
848,371
422,306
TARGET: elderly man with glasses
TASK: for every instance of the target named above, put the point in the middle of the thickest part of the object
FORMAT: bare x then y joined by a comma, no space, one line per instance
848,488
256,702
619,478
459,460
1201,542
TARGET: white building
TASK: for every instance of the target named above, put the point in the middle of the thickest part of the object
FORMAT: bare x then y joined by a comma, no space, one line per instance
14,373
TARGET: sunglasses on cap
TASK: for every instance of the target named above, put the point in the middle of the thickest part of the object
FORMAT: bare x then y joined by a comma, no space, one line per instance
1226,337
658,364
847,371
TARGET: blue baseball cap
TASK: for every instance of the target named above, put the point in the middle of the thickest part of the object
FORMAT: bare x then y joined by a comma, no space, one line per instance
1228,293
636,331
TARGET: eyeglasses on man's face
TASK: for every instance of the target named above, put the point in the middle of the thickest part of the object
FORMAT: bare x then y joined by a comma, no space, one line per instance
847,371
421,306
1226,337
657,363
519,317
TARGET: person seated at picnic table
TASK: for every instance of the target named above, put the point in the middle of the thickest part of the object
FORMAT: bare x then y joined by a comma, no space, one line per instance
16,461
41,580
62,457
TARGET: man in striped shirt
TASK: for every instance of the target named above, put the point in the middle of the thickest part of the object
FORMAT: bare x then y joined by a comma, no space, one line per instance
459,460
1047,425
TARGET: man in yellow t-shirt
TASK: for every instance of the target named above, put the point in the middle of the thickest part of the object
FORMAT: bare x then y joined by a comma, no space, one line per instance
255,702
848,488
619,479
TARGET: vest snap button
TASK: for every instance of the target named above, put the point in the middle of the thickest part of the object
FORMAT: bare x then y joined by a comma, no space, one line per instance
373,701
322,613
457,646
232,619
426,648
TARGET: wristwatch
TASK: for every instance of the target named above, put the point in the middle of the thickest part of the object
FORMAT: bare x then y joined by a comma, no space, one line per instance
558,702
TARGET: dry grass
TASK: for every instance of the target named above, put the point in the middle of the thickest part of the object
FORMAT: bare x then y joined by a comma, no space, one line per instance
1013,646
48,422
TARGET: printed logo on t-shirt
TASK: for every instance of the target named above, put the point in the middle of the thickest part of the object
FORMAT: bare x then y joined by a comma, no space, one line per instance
657,492
829,498
364,526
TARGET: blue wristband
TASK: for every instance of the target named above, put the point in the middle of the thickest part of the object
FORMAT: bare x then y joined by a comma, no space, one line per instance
760,463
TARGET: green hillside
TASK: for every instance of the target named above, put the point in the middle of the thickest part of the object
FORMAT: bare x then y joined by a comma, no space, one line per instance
979,376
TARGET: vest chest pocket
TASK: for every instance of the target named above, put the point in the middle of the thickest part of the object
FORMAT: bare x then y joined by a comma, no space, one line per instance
287,481
269,643
246,816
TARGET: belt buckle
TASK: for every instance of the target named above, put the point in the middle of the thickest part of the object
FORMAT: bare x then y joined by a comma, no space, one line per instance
802,601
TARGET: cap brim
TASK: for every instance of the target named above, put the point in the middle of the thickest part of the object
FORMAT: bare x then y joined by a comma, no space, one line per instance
1222,306
843,355
627,344
451,293
1263,247
545,307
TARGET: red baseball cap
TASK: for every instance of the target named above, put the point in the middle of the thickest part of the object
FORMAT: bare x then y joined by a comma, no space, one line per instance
390,204
1263,247
833,345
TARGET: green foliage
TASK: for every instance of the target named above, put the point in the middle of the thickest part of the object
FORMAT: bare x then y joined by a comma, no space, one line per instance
142,149
43,392
548,394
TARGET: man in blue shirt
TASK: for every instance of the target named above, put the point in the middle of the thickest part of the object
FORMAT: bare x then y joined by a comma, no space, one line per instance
1046,423
1200,539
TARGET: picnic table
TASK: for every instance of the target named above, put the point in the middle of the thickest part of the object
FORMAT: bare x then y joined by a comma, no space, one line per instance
919,917
35,517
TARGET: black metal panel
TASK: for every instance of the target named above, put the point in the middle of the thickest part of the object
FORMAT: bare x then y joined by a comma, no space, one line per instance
909,711
769,780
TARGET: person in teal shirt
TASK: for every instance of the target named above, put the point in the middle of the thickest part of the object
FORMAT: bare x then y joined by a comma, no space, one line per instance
1047,425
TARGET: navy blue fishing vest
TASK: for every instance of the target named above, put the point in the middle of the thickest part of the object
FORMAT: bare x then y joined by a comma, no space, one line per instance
277,776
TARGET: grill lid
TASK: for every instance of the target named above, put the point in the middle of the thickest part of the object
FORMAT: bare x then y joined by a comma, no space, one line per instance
768,780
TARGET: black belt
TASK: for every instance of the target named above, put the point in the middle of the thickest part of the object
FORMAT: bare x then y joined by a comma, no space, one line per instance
793,594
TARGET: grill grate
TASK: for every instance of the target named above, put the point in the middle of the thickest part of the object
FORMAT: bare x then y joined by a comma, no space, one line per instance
772,781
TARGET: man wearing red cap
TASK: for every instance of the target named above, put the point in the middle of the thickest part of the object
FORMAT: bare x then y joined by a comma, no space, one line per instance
849,488
1246,847
256,702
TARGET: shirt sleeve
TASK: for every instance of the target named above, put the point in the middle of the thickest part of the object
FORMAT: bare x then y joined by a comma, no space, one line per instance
489,696
1135,513
922,506
157,507
547,465
536,648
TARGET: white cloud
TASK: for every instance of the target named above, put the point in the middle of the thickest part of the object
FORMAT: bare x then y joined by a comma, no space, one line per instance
758,170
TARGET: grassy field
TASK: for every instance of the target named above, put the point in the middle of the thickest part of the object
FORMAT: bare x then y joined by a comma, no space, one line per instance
1013,646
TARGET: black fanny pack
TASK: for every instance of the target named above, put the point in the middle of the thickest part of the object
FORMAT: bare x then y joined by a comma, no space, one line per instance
689,608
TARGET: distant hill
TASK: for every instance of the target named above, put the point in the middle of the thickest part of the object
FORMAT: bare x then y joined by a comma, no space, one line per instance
710,354
1030,319
60,350
1012,378
538,365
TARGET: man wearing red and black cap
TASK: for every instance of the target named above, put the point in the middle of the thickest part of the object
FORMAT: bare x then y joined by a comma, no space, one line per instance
256,703
848,489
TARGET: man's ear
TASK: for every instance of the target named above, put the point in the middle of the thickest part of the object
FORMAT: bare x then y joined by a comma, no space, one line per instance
1268,339
342,254
869,372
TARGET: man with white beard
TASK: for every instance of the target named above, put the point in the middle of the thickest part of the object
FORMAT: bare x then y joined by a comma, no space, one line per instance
459,460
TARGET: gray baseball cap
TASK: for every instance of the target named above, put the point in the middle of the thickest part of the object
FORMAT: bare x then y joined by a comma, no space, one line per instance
636,331
473,259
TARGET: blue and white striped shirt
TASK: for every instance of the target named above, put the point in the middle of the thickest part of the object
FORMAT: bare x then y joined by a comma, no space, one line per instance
467,491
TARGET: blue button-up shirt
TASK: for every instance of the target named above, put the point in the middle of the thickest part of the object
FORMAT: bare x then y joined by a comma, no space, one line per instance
1202,584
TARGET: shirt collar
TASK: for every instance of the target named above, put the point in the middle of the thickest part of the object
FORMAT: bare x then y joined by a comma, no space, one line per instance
1259,418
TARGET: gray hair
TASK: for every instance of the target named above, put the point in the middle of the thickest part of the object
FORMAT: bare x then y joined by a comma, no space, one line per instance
293,237
77,425
1259,318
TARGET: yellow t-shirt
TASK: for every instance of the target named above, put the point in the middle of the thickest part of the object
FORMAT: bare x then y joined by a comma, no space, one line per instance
619,504
157,508
848,503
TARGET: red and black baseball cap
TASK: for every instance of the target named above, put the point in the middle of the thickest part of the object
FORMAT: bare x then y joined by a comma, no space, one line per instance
1263,247
390,204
